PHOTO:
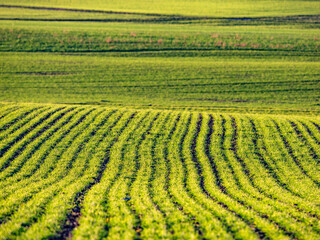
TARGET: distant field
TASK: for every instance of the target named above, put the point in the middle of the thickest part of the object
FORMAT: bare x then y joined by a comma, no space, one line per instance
174,119
280,84
216,8
264,65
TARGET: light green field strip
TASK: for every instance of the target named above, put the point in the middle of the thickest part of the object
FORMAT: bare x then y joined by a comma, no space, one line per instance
141,29
99,173
21,13
227,8
238,83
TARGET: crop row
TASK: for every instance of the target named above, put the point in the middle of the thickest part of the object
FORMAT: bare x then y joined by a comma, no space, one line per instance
98,173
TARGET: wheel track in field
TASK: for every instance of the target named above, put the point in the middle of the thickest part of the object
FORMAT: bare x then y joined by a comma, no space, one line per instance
291,153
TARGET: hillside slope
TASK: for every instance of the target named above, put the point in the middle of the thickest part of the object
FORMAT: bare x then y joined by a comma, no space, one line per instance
93,172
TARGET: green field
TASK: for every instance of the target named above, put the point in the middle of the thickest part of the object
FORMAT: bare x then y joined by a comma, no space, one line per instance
183,119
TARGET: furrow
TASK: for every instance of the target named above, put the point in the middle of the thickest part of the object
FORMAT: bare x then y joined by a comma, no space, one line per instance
276,187
293,221
263,205
16,116
8,110
19,123
176,178
276,153
72,218
309,145
237,200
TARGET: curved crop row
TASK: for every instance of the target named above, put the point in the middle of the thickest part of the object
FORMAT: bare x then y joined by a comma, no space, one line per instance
97,173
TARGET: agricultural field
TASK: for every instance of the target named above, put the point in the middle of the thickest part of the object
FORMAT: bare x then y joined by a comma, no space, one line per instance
174,119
